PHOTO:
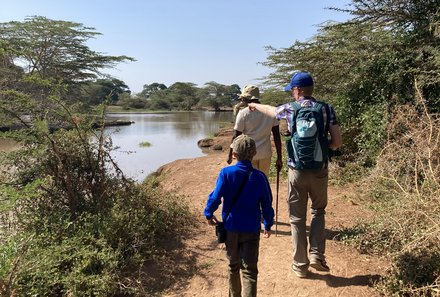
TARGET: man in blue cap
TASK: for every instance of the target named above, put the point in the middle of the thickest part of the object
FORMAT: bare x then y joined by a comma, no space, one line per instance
309,122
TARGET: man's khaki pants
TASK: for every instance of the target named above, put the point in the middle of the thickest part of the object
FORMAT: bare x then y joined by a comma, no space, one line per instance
262,165
302,185
242,253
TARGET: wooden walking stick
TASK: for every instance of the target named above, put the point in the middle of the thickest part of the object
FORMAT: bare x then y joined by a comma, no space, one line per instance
276,203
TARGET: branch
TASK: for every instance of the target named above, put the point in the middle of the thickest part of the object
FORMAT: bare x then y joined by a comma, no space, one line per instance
421,100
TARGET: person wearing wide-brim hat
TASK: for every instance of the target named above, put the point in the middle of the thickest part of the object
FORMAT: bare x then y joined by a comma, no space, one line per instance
250,94
258,126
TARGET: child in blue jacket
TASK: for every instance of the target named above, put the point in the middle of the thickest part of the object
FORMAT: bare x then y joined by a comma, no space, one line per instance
242,218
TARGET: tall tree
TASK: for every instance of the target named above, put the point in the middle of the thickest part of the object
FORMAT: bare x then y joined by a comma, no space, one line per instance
148,90
10,74
416,24
55,50
102,89
220,95
183,95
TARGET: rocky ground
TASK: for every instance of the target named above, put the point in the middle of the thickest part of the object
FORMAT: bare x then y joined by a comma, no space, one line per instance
352,274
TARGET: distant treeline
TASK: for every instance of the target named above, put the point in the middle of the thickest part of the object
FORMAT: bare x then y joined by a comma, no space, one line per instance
181,96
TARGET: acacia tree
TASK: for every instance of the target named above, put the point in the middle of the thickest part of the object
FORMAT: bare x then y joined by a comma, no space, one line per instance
416,24
183,95
219,95
98,91
178,96
48,58
9,73
54,50
367,65
148,90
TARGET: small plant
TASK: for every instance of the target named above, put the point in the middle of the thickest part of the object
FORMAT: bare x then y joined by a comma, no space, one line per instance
144,144
273,167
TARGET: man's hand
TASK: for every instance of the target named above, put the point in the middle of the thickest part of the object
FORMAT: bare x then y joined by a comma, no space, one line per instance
267,233
213,221
279,164
252,106
229,159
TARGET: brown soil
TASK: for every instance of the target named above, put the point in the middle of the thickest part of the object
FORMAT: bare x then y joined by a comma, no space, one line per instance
352,274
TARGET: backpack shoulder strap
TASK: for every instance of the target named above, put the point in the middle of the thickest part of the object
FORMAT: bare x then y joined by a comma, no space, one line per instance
235,198
319,105
295,106
327,111
327,114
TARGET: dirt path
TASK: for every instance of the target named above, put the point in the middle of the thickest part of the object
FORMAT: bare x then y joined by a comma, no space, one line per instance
351,273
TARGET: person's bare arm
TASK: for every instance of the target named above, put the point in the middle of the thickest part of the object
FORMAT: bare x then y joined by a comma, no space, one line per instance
267,233
213,221
235,135
277,141
263,108
336,137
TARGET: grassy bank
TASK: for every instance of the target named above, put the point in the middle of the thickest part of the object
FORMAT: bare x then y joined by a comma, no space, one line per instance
73,224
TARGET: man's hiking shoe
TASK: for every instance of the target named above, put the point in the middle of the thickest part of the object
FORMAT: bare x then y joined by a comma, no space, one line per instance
319,265
300,272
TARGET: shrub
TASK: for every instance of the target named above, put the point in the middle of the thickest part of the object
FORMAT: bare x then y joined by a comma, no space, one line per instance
405,190
89,228
414,273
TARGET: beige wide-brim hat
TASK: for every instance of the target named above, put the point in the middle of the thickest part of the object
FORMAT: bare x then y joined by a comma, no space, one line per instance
250,92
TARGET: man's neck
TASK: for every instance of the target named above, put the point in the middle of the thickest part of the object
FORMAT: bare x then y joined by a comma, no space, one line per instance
303,97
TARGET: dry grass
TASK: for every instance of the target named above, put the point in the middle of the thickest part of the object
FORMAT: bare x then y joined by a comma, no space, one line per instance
406,186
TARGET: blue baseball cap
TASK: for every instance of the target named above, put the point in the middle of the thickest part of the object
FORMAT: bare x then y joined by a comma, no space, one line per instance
300,79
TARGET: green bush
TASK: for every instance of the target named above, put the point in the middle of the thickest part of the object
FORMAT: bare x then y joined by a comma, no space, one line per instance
89,229
373,124
80,265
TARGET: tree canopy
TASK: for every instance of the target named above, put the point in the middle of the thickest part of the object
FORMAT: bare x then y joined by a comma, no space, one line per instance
184,96
55,49
150,89
369,64
104,89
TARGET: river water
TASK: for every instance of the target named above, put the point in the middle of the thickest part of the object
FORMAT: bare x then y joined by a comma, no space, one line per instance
172,136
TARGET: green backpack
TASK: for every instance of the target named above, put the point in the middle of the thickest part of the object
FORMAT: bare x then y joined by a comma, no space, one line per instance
308,146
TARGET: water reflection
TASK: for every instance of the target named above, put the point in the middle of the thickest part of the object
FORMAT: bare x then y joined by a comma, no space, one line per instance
172,136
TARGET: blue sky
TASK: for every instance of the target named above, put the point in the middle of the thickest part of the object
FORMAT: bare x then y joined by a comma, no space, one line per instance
186,40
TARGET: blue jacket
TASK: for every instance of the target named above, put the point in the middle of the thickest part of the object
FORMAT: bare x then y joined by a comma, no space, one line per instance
255,199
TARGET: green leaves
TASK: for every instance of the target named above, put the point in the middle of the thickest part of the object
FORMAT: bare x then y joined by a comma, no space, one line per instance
183,96
367,64
88,225
55,49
